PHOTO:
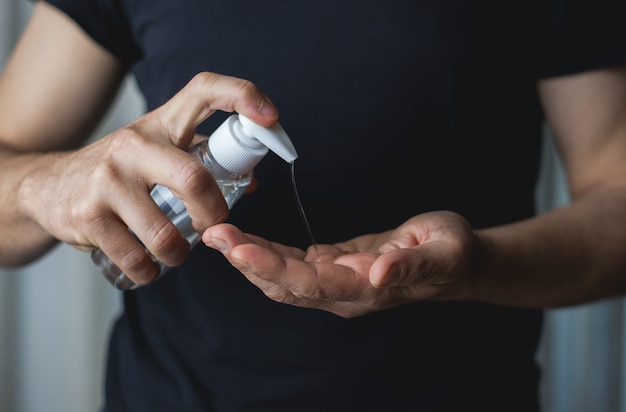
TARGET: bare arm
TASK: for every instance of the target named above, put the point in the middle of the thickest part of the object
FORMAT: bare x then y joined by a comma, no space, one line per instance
576,253
53,91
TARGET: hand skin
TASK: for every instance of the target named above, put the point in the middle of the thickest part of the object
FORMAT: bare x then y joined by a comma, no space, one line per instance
427,258
573,254
88,197
96,193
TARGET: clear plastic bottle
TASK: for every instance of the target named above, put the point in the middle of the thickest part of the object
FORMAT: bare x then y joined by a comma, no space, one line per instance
230,153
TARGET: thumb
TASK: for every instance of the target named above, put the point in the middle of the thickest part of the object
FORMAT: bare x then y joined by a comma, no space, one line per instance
397,267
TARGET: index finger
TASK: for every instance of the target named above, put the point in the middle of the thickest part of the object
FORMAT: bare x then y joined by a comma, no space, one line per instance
204,94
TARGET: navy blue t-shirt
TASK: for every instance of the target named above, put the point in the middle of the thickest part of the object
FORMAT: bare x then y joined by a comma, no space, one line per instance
396,108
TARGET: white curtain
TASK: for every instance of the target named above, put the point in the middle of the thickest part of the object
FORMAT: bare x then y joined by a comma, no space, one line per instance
583,350
56,314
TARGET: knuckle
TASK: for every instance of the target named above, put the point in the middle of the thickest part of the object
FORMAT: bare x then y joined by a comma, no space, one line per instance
281,295
317,294
123,139
89,221
208,82
247,88
88,216
107,167
195,179
204,80
166,242
134,259
139,266
161,234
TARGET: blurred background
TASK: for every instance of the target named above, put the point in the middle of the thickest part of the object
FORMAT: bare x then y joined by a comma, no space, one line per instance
56,314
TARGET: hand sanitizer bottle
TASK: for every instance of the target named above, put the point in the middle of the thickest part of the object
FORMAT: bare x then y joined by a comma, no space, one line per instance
230,153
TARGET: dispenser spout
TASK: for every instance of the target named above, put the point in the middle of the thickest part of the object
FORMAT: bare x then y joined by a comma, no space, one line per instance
274,138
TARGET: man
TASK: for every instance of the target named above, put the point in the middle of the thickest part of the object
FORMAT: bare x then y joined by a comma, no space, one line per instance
417,126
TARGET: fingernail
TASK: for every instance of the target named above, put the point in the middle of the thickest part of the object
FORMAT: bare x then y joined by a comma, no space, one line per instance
266,107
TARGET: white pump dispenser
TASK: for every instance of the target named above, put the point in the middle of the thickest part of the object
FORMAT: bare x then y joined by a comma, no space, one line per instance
231,153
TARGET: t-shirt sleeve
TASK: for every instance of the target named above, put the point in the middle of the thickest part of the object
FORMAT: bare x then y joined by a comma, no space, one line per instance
583,35
105,22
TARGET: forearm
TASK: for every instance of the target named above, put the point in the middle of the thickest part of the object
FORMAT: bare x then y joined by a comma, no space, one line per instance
73,87
571,255
23,239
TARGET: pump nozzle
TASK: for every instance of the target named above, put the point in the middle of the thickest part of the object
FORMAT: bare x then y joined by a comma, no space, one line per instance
275,138
239,144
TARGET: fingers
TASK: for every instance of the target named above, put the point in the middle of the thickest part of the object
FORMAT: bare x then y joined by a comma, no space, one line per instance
436,270
190,181
149,150
128,223
206,93
128,255
175,123
395,268
224,237
284,275
428,258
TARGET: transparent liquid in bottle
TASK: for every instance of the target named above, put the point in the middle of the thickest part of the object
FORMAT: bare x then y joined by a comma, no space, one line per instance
232,187
240,144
